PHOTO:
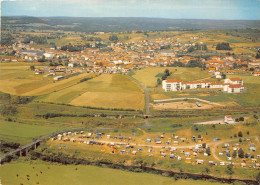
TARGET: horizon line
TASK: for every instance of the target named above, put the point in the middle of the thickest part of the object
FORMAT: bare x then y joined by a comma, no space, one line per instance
130,17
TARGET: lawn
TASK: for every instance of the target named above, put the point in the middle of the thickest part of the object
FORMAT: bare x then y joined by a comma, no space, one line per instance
148,76
61,174
23,133
108,91
20,80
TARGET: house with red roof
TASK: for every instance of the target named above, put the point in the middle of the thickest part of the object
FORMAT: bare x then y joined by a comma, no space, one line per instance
234,81
234,88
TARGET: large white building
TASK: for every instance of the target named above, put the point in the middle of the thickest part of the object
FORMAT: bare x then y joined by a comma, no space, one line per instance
233,81
171,85
232,85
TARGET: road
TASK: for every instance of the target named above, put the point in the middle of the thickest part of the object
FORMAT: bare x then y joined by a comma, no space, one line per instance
147,102
146,95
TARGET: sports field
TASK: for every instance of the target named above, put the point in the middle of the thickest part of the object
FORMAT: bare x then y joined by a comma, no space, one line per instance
148,76
107,90
46,174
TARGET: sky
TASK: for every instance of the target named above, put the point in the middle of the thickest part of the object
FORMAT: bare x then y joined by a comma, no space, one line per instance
176,9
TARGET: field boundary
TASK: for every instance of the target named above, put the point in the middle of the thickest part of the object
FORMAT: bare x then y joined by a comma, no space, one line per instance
205,101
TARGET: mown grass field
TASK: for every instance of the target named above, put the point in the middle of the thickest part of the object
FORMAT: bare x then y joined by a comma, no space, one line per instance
24,133
109,91
61,175
20,80
148,78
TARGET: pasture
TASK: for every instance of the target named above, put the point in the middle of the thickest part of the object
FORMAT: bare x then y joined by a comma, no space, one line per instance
24,133
80,174
108,91
20,80
148,76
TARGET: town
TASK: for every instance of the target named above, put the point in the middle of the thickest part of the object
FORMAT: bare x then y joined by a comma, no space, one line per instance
129,100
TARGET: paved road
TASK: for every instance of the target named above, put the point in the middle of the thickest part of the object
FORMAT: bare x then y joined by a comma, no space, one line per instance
146,95
147,110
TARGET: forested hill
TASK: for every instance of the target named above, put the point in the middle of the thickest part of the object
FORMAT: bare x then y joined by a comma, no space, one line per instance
109,24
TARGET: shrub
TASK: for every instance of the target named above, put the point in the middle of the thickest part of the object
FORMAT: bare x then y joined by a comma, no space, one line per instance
240,134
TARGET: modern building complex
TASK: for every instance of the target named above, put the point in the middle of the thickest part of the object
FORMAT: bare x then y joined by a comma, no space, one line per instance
232,85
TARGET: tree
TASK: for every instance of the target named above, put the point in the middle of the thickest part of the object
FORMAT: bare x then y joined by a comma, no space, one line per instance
257,55
113,38
234,65
205,47
229,169
8,110
223,46
258,178
12,53
208,151
247,132
207,170
191,49
167,72
234,155
240,134
159,81
203,145
164,77
195,63
32,68
240,140
241,153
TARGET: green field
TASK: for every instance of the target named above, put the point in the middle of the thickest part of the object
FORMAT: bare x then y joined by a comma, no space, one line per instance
109,91
61,175
24,133
148,76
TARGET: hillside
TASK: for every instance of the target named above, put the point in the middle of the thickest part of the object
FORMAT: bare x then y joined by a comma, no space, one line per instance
112,24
